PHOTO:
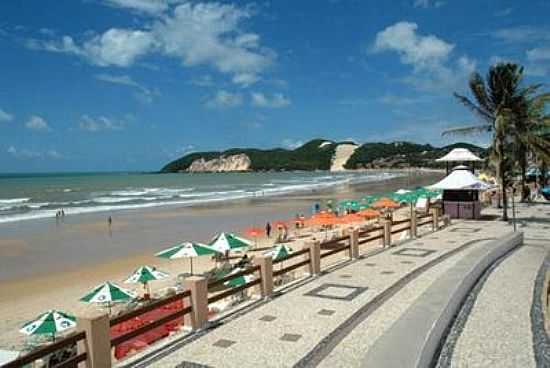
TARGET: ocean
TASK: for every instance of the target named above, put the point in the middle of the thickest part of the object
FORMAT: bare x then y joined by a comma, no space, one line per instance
35,196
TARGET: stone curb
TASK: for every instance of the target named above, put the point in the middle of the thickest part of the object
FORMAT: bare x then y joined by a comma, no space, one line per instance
418,333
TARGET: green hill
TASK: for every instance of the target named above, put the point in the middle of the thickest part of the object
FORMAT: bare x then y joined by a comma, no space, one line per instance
404,154
317,155
313,155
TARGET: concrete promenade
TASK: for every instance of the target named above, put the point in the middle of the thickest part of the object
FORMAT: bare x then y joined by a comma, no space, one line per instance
334,320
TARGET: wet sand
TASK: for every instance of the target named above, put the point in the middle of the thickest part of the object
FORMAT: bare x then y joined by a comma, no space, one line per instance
44,265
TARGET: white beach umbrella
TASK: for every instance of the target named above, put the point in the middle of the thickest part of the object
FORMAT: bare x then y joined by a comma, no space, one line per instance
225,242
187,250
50,323
108,293
145,274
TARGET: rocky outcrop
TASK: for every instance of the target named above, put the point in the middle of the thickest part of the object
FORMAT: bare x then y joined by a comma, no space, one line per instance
240,162
341,156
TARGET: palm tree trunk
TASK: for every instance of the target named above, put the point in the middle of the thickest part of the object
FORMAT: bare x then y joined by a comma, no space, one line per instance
523,168
502,177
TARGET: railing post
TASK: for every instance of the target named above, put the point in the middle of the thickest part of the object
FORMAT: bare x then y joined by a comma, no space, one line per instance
387,233
354,244
314,257
97,344
435,219
413,224
266,274
198,286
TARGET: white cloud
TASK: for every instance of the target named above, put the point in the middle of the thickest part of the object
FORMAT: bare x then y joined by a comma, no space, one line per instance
203,81
428,4
5,116
503,12
292,143
245,79
429,56
522,34
198,34
25,154
538,62
419,51
277,100
100,123
224,99
211,34
145,94
144,6
115,47
37,123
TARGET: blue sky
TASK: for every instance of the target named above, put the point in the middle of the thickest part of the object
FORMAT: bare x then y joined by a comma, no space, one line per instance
132,84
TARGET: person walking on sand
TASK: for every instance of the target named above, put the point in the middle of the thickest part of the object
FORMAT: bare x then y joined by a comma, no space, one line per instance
268,229
110,221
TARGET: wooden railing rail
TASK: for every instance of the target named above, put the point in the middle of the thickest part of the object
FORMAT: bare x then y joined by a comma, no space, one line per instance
223,280
234,290
149,307
335,250
292,267
292,255
145,328
44,351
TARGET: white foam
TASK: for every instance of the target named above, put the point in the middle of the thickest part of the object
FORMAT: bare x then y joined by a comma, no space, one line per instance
14,200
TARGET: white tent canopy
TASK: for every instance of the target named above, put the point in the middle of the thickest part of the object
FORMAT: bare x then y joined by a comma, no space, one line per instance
460,179
460,155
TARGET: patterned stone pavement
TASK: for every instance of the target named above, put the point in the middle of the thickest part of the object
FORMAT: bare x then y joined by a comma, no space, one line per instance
497,326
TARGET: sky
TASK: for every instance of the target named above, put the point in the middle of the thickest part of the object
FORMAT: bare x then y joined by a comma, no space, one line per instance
110,85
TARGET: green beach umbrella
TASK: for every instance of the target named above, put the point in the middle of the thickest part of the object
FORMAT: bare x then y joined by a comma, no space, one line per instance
49,323
187,250
369,199
108,293
240,280
145,274
349,205
225,242
279,252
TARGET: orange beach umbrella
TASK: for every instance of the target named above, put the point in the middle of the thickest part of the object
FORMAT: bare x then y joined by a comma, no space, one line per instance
351,218
385,203
369,213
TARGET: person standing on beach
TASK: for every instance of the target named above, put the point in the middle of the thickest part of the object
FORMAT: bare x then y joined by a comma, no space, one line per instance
110,221
268,229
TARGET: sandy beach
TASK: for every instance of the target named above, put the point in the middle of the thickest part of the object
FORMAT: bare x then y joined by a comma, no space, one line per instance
44,265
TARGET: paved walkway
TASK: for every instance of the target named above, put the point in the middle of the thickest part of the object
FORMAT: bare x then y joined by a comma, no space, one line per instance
495,327
301,327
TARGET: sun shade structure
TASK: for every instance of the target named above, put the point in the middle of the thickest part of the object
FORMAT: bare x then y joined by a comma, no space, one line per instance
460,179
108,293
187,250
145,274
459,155
225,242
50,323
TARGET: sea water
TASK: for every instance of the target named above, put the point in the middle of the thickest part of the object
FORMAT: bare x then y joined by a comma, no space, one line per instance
34,196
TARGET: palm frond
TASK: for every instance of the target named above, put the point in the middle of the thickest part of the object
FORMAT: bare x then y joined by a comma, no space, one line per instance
479,111
468,130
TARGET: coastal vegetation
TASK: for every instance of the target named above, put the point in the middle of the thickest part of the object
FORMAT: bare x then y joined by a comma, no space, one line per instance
318,154
515,117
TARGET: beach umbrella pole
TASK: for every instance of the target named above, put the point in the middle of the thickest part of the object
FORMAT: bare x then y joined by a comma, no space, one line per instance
191,261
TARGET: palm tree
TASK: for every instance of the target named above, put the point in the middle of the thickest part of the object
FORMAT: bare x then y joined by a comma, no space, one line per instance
528,121
495,100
